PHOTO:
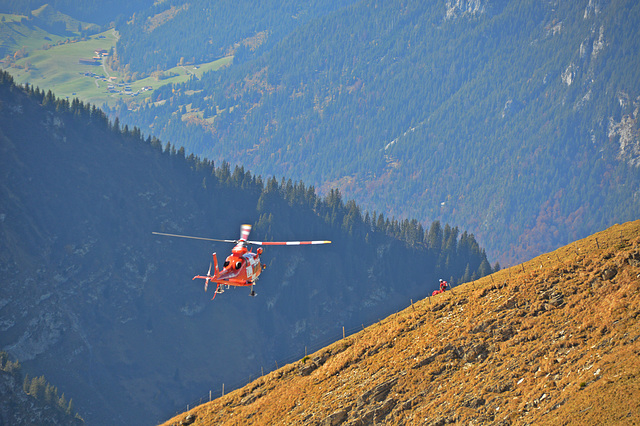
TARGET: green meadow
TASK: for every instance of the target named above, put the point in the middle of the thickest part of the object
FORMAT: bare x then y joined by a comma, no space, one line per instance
56,67
16,33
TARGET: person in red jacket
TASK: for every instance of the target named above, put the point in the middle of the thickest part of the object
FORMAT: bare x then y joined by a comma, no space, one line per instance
443,286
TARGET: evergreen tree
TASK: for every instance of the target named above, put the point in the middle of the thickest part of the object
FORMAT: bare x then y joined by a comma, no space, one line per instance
37,387
51,394
26,383
467,275
485,268
116,125
435,237
62,402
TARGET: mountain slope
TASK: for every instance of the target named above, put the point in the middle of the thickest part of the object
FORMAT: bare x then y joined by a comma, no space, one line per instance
196,31
109,312
551,341
102,12
31,402
516,119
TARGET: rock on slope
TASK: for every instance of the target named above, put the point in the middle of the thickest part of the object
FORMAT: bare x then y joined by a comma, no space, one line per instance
551,341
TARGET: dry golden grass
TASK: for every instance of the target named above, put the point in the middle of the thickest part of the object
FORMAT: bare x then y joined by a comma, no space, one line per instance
552,341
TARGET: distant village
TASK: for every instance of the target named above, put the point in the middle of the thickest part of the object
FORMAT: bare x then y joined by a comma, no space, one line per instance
98,54
112,85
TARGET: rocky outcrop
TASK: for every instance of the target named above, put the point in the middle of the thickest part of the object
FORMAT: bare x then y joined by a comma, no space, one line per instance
457,8
627,130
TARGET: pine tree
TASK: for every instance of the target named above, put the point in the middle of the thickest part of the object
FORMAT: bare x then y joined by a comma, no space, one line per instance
62,402
485,268
49,99
380,226
116,125
467,274
434,239
37,387
26,383
51,394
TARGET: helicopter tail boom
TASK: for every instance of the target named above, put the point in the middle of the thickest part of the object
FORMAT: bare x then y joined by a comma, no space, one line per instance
216,271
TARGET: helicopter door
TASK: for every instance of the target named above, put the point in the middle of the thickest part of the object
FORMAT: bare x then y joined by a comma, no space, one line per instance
253,270
249,268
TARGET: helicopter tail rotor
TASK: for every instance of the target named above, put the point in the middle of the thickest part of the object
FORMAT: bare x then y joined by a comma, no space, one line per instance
206,282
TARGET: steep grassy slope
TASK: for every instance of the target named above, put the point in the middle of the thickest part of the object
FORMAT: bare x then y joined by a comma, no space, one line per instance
551,341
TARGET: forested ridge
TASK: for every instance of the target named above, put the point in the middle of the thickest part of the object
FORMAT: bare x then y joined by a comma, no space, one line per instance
101,12
197,31
95,302
503,116
447,250
37,402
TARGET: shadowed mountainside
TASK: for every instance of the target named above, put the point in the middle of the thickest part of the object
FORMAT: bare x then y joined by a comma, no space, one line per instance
108,312
551,341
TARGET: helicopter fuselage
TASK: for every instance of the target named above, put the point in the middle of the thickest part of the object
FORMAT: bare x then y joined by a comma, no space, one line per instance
242,267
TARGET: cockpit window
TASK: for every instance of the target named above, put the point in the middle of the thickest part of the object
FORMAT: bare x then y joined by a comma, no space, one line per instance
225,264
238,265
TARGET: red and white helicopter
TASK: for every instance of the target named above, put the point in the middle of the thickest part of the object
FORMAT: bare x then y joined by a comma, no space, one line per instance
242,267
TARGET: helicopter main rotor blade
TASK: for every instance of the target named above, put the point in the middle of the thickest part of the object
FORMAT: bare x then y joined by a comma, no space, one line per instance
286,243
244,232
194,238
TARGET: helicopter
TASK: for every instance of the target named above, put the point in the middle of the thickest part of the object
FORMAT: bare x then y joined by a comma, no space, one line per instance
242,267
